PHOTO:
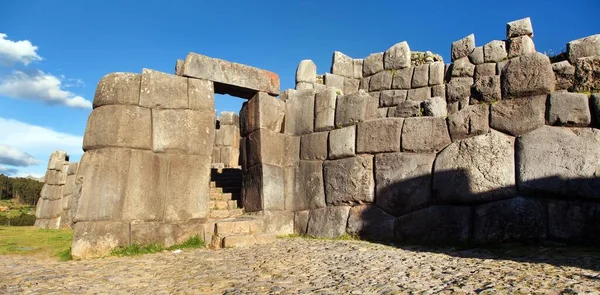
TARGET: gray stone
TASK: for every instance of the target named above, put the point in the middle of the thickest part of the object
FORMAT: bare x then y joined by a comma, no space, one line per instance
304,86
309,190
436,73
516,219
569,109
300,112
187,190
329,222
462,67
403,181
373,64
292,150
342,65
468,122
458,89
595,105
185,131
97,239
319,87
364,83
325,109
118,88
584,47
313,146
118,126
231,78
201,95
565,75
358,68
520,46
402,78
216,155
486,69
263,188
381,135
372,108
438,91
371,223
342,142
424,134
162,90
574,222
476,56
477,169
351,109
267,112
527,75
408,108
383,112
335,81
266,147
435,225
463,47
301,222
419,94
73,167
381,81
494,51
435,107
351,85
57,160
420,76
521,27
587,71
397,57
487,89
559,162
230,156
520,115
390,98
306,71
349,180
179,67
228,135
500,66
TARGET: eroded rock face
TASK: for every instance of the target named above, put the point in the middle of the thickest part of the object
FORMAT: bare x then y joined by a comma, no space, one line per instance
329,222
370,222
584,47
397,56
569,109
587,74
468,122
463,47
349,180
527,75
520,115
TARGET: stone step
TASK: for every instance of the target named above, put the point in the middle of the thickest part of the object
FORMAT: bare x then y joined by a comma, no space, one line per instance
221,190
228,183
236,241
219,214
224,196
219,205
238,226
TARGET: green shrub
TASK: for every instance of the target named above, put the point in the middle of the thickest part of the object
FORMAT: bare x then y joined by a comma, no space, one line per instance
22,219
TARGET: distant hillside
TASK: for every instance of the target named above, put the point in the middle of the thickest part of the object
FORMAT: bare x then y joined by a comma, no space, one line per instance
25,190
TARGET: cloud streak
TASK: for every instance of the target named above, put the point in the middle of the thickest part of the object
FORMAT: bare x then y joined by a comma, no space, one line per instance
12,156
12,52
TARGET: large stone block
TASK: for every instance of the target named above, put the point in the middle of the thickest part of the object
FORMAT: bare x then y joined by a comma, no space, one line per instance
438,91
342,142
587,73
377,136
54,177
118,126
486,69
351,85
201,96
263,111
468,122
163,91
351,109
334,81
494,51
306,71
463,47
559,162
520,46
381,81
407,109
231,78
301,222
229,118
436,73
424,134
435,107
520,115
397,56
57,159
373,64
69,186
342,65
187,188
300,112
475,170
325,109
516,219
565,74
227,135
436,225
527,75
476,56
266,147
487,89
403,181
371,223
584,47
569,109
349,180
329,222
313,146
97,239
420,76
118,88
390,98
230,156
73,168
419,94
521,27
309,190
595,106
462,67
574,222
183,131
264,188
292,150
458,89
402,78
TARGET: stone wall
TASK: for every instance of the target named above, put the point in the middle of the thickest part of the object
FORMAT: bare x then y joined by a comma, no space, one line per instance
56,204
226,152
491,148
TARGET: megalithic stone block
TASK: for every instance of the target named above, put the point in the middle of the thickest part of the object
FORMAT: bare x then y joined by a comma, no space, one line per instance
228,135
397,56
329,222
96,239
300,112
231,78
373,64
584,47
527,75
351,109
463,47
266,147
306,72
264,188
342,65
118,126
118,88
229,118
162,90
521,27
57,158
325,109
262,112
314,146
201,95
377,136
230,156
309,190
185,131
349,180
187,188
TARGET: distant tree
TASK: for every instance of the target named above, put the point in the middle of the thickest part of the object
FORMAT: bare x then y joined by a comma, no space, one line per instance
26,191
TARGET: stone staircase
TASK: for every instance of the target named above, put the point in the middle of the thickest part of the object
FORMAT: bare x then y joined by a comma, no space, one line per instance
228,225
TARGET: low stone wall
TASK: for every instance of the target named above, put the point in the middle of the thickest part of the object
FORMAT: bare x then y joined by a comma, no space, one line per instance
226,152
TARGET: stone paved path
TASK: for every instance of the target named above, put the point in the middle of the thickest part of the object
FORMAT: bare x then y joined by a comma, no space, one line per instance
292,266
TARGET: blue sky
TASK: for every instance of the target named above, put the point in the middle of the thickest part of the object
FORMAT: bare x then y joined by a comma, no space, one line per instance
53,53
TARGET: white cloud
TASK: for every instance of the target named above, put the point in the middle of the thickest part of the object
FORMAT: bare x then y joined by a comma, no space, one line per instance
12,156
12,52
8,171
41,86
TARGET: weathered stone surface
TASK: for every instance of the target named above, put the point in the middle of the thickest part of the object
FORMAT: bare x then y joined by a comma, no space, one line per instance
351,109
263,188
364,83
468,122
436,73
342,142
381,81
309,190
463,47
371,223
373,64
477,169
487,89
527,75
96,239
118,126
486,69
187,188
72,168
313,146
304,86
476,56
560,162
319,87
435,225
595,105
201,95
300,112
325,109
587,74
372,108
420,76
301,222
178,67
329,222
334,81
424,134
435,107
569,109
458,89
419,94
231,78
377,136
184,131
462,67
57,160
216,155
408,108
397,56
342,65
574,221
228,135
267,112
266,147
521,27
494,51
351,85
438,91
162,90
230,156
520,46
349,180
516,219
229,118
403,181
292,150
390,98
520,115
584,47
118,88
565,74
402,78
306,71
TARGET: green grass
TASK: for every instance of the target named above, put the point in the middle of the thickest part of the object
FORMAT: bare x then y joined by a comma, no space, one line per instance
134,250
344,237
14,209
32,241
